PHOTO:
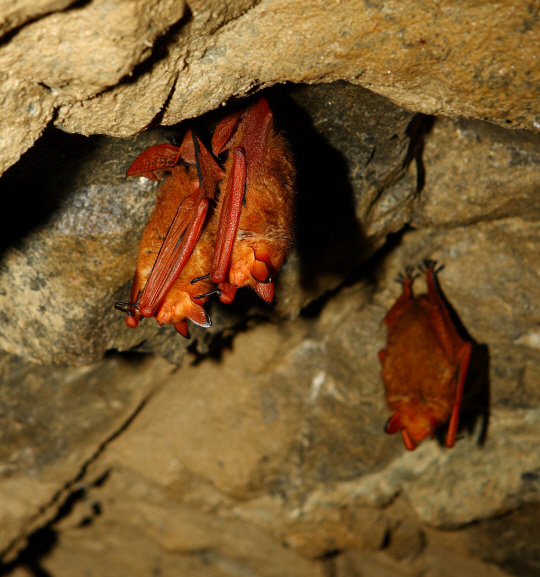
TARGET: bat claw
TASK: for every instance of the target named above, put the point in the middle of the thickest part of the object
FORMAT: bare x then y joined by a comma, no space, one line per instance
407,275
429,264
208,294
199,278
126,307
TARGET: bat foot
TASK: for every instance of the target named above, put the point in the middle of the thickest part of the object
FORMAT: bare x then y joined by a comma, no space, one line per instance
407,277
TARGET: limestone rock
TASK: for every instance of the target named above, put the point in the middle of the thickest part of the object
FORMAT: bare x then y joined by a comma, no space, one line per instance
283,437
114,67
476,171
53,424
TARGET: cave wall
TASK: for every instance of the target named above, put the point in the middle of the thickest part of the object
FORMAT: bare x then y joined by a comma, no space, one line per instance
258,446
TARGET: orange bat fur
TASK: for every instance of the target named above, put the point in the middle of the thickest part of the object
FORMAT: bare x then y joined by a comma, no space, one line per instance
180,303
424,365
254,233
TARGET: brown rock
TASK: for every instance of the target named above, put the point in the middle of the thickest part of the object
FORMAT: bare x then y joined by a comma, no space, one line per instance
53,424
476,171
456,68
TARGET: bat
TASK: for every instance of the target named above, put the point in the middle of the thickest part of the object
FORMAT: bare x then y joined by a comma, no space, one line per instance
173,231
424,365
253,221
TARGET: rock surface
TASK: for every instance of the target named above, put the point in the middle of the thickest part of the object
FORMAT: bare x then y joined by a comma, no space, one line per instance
115,67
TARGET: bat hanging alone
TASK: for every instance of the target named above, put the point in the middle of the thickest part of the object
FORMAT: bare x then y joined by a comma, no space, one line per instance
424,365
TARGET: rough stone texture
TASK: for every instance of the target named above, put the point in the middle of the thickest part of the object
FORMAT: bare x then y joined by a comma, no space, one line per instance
15,13
53,424
113,67
478,171
281,441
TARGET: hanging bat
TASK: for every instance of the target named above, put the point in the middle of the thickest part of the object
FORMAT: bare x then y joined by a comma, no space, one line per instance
256,204
424,365
173,230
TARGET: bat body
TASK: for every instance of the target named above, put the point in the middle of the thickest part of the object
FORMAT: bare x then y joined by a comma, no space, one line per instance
172,234
424,365
254,228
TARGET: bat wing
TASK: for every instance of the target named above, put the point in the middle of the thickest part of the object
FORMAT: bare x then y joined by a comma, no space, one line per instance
225,131
464,357
175,251
230,216
249,129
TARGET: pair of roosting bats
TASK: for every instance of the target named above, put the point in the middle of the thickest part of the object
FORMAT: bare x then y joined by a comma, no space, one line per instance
197,244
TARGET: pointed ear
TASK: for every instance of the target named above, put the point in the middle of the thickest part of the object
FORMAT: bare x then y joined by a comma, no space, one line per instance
198,315
132,322
393,425
228,292
187,150
265,291
182,328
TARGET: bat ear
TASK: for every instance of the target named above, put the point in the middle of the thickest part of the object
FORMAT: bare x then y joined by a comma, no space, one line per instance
198,315
154,161
265,291
132,322
182,328
187,149
393,424
228,292
221,139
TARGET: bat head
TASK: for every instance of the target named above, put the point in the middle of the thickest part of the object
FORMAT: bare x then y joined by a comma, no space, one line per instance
183,306
415,421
